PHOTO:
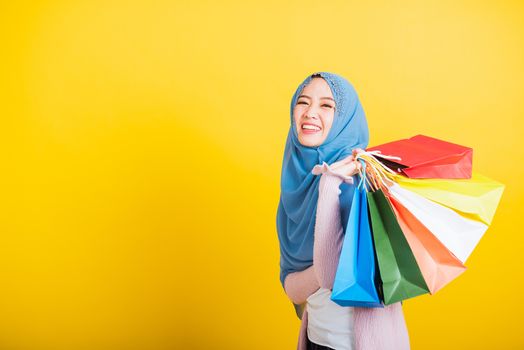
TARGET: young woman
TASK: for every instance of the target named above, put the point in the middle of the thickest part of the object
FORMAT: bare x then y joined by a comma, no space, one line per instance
328,126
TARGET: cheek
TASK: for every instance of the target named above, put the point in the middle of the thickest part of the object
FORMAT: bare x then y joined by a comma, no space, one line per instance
328,122
296,115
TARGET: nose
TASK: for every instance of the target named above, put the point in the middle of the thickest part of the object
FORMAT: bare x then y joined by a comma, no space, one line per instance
312,113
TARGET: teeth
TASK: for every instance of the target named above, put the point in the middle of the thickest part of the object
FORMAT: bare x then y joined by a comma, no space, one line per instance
310,127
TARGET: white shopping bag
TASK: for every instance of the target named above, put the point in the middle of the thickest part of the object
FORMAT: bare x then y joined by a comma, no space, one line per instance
459,234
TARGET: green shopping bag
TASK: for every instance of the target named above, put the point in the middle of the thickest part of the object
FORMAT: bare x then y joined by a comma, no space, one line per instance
399,272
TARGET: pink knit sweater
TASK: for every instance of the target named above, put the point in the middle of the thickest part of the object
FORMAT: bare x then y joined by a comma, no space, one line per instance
374,328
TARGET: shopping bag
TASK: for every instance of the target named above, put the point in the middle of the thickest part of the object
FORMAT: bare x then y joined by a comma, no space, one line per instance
355,278
437,264
460,235
427,157
399,272
476,198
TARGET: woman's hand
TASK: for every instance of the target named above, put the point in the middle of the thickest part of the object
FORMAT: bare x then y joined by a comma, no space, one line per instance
344,168
347,166
357,151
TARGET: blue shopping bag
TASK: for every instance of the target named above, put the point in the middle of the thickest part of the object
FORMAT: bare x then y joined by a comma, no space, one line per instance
357,277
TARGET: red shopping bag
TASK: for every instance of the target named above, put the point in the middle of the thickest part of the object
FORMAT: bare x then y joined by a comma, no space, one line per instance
427,157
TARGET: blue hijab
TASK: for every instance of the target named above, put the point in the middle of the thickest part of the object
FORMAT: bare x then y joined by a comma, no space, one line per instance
299,187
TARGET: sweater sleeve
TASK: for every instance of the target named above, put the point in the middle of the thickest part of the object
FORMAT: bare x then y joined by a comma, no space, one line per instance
326,247
328,230
300,285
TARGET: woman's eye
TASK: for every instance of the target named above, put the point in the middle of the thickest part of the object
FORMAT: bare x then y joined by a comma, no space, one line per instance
326,105
301,103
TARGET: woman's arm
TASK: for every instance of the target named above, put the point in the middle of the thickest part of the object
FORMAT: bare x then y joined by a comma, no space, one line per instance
328,230
328,237
327,244
300,285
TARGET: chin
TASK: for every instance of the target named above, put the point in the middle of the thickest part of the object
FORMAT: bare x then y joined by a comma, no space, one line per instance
308,142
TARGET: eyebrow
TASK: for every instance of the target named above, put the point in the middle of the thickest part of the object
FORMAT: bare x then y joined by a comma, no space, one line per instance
329,98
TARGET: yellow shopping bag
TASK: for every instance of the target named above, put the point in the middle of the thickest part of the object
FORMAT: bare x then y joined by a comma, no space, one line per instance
476,198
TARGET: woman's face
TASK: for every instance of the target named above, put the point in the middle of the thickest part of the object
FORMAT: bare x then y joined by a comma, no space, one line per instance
314,112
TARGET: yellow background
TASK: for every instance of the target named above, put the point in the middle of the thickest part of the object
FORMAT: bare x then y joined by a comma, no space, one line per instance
141,151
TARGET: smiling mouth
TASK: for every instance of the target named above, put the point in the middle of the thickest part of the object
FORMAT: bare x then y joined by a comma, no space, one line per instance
310,129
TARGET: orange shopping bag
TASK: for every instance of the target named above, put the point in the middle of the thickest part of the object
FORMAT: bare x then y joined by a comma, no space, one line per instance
438,265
